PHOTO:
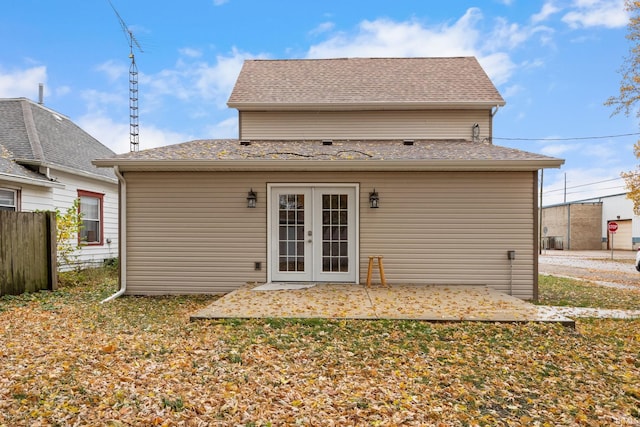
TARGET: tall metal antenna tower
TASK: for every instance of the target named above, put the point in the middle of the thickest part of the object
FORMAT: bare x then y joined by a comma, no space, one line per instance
134,134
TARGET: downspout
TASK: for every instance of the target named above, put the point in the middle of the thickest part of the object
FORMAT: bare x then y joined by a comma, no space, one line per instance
122,244
492,113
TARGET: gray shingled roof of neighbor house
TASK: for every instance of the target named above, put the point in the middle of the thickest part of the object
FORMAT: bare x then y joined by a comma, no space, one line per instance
363,82
11,168
31,134
422,154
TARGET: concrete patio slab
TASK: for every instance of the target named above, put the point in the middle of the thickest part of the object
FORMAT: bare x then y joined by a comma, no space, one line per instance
349,301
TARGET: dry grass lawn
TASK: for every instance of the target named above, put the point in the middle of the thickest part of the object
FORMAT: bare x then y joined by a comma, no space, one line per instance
65,360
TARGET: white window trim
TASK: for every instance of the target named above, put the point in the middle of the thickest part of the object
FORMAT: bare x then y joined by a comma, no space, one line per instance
15,198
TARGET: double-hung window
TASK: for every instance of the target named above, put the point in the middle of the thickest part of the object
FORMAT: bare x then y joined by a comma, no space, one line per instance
92,224
8,200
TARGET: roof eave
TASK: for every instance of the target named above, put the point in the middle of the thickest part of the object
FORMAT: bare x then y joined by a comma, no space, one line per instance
348,106
30,181
125,165
65,169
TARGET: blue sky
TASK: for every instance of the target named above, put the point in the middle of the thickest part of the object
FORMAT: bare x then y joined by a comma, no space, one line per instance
555,63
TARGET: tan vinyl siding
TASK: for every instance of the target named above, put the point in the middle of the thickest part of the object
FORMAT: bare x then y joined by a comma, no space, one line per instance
453,229
425,124
192,232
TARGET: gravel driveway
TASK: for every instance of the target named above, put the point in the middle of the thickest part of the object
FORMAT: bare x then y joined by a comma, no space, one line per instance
595,266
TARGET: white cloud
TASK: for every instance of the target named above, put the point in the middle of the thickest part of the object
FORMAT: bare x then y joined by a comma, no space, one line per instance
62,90
219,2
112,134
96,101
22,83
114,70
216,82
115,135
190,52
597,13
322,28
189,83
227,128
151,136
508,36
384,37
582,183
532,63
602,151
196,80
387,38
548,9
498,66
558,149
512,90
605,151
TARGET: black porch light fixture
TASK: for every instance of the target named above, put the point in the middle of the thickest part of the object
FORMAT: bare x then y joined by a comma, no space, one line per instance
252,198
374,199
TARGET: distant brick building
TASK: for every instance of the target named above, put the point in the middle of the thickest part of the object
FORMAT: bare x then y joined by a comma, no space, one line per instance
583,225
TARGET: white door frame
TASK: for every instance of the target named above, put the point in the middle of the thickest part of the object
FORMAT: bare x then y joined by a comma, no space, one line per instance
355,264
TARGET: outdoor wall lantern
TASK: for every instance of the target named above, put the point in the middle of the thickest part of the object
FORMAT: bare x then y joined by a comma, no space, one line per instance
374,199
252,198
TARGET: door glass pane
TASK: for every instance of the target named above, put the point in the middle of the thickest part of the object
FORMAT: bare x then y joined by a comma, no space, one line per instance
291,232
334,233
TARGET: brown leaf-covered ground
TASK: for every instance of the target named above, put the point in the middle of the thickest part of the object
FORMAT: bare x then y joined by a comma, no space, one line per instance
65,359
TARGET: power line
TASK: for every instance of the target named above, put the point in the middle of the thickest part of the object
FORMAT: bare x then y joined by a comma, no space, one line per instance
598,189
583,185
566,139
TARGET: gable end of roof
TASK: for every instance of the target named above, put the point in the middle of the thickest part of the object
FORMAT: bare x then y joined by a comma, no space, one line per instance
365,83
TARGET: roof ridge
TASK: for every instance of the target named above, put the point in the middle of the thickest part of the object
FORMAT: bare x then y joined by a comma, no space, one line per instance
347,58
32,133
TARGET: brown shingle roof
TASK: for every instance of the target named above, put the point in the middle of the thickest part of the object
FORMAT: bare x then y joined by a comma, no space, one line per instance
363,81
225,153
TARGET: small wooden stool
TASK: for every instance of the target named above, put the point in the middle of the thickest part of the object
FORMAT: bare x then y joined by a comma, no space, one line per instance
381,268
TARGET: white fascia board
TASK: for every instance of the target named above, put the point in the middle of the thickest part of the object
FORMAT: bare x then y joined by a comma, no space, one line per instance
30,181
68,170
257,106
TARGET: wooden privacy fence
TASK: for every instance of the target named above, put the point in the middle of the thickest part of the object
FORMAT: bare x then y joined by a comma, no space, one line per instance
27,252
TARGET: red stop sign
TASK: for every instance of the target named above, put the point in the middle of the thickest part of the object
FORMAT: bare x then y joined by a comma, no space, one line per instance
612,226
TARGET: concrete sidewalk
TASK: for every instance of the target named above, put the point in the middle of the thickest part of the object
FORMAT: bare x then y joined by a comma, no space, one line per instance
349,301
602,313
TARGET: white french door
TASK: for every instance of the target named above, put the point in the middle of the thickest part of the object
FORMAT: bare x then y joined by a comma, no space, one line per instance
313,233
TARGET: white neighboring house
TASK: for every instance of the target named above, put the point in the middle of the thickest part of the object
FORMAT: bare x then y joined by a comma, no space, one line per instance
45,164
